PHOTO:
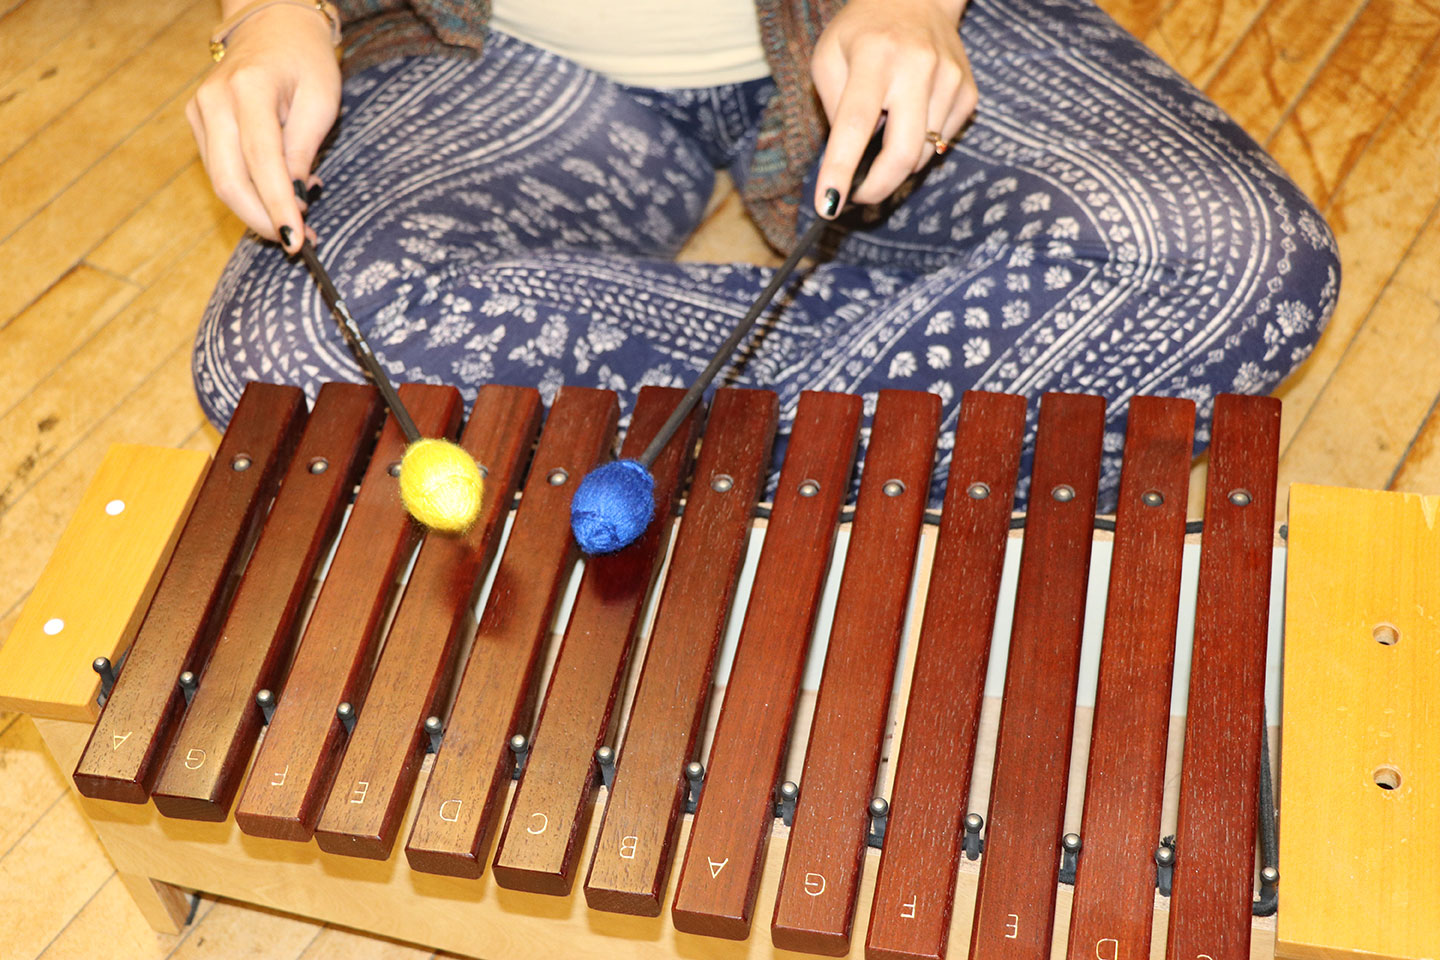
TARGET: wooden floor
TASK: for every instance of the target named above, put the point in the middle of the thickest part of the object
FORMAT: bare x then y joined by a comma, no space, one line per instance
110,241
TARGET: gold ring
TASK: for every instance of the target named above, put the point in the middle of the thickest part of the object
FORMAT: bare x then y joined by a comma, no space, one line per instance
940,143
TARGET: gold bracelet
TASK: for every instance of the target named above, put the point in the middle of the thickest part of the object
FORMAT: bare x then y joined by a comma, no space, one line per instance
228,25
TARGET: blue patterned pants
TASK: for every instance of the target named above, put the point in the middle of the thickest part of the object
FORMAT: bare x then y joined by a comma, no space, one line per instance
1101,227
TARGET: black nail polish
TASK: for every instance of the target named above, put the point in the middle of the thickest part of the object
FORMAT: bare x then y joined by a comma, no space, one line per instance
831,204
299,187
312,194
285,235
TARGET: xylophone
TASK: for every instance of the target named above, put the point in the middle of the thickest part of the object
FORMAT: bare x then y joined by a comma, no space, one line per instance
396,710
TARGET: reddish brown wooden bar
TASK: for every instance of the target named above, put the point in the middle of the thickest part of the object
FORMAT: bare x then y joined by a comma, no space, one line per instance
218,731
497,692
1015,900
1125,779
1225,717
382,758
914,892
134,731
292,770
815,904
540,843
634,849
715,895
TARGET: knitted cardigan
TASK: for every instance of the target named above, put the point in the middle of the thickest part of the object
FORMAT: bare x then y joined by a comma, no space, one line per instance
791,129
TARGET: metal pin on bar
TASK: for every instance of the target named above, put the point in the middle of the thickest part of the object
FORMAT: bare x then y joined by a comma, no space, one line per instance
1165,866
789,792
189,683
1269,900
434,732
1069,857
345,713
605,760
265,700
879,816
974,845
101,665
694,781
520,747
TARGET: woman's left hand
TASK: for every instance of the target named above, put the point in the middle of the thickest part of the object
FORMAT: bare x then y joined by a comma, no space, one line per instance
902,58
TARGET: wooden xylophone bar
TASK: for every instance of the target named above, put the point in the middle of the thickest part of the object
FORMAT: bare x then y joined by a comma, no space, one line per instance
366,776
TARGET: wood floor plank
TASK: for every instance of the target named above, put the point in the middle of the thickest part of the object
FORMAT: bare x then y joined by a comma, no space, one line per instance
1325,136
168,224
1276,59
48,876
1196,36
107,37
1376,216
30,783
30,28
336,944
235,930
110,926
55,156
162,411
728,234
47,245
63,406
1379,398
51,328
1137,16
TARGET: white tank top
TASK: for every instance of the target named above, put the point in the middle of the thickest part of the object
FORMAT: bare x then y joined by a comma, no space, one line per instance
647,43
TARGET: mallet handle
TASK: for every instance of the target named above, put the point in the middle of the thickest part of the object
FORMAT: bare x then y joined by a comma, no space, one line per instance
722,355
353,337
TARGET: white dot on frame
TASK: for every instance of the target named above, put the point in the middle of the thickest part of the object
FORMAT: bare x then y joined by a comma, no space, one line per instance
53,626
115,507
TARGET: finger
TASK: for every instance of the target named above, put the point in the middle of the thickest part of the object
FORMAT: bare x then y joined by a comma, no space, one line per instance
226,164
961,111
829,71
197,127
308,122
938,114
265,160
906,104
966,101
855,118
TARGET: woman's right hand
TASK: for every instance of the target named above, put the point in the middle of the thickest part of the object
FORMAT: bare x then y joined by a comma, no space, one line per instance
262,113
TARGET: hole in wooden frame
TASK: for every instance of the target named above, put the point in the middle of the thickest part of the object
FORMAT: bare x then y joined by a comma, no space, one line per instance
1387,777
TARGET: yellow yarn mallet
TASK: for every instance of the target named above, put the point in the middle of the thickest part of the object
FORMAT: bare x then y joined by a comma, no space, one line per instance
440,484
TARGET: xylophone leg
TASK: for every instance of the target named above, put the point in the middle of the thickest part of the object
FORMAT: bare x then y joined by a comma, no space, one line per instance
164,906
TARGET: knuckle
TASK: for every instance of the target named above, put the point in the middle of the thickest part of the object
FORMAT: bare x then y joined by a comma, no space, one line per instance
949,75
923,60
827,48
226,189
209,95
247,78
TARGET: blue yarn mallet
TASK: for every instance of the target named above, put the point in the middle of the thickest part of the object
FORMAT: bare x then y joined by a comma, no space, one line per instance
615,502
